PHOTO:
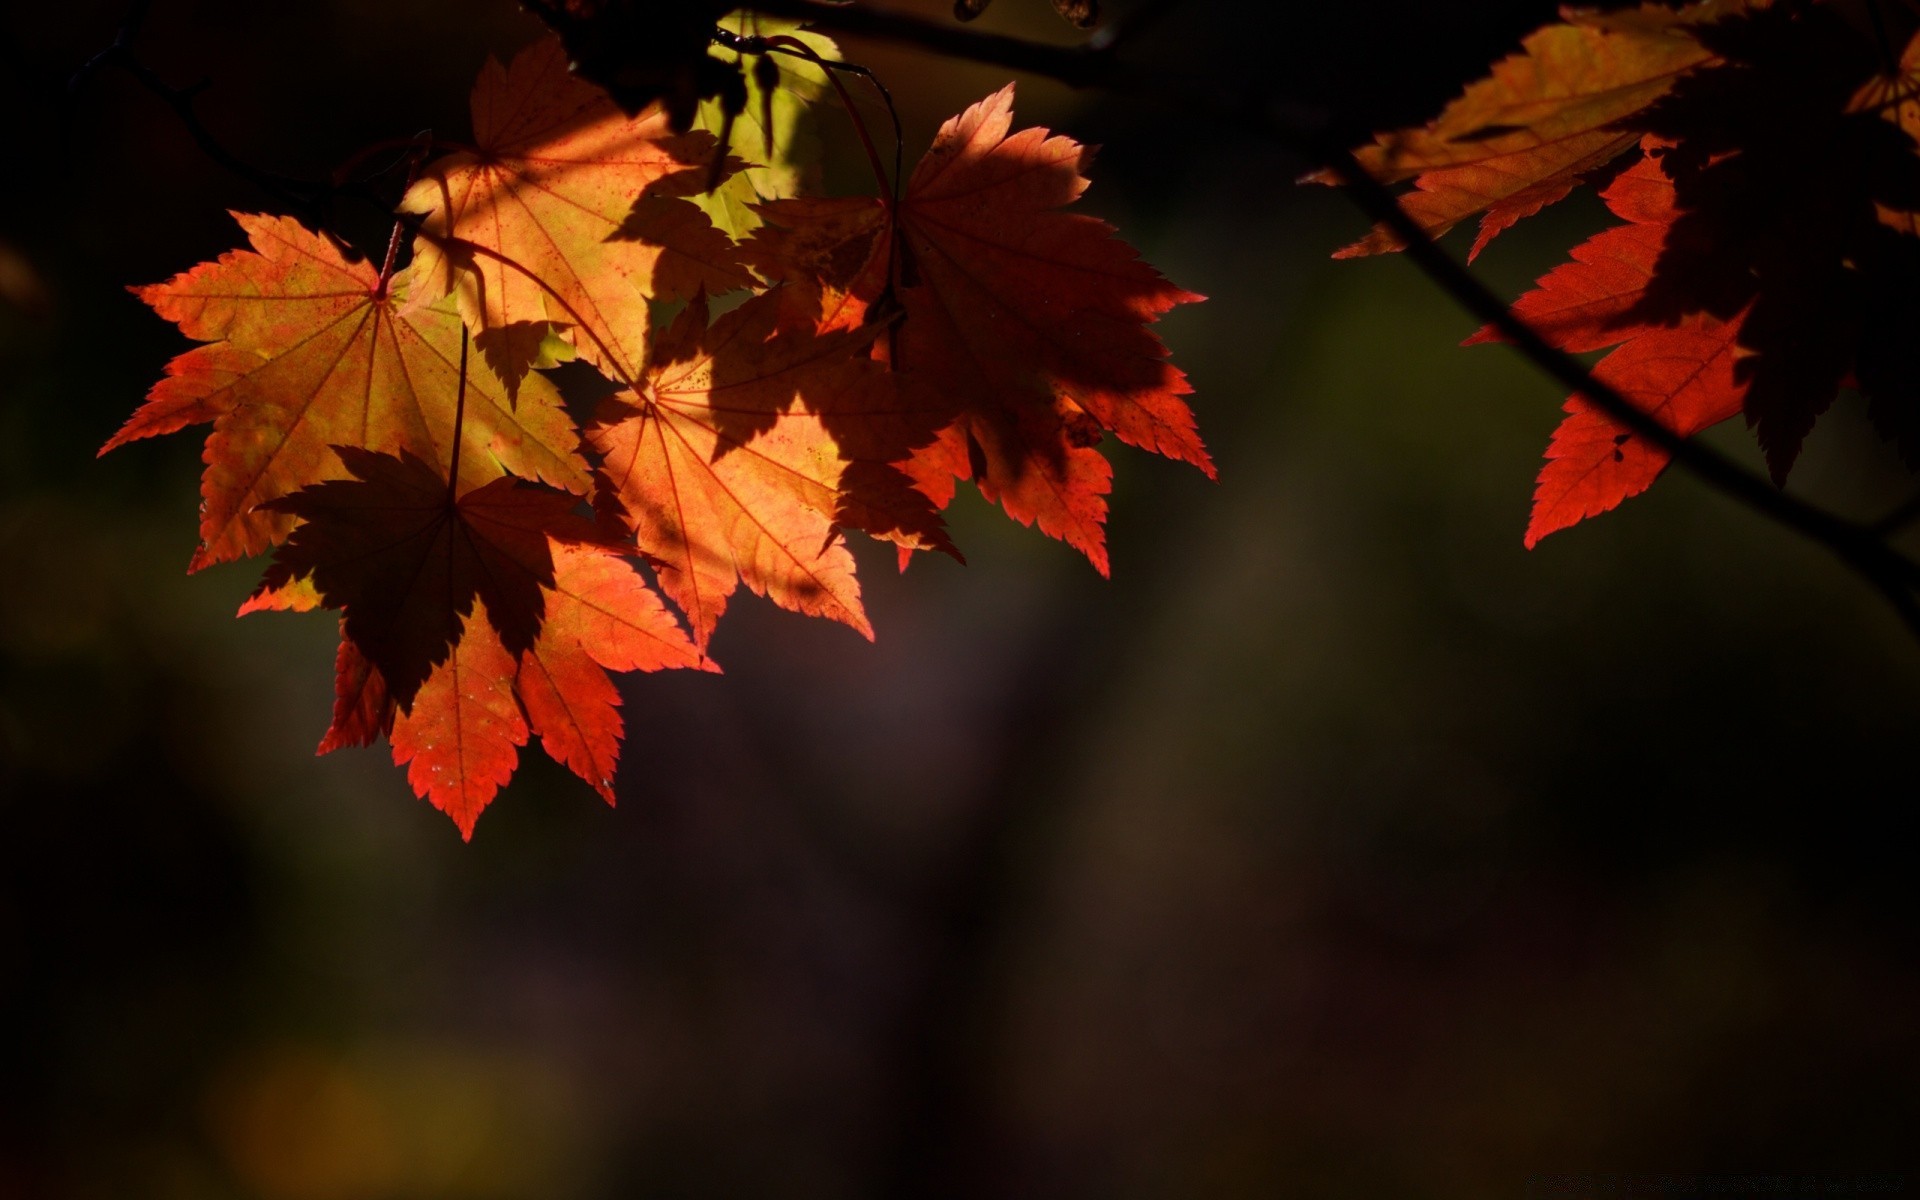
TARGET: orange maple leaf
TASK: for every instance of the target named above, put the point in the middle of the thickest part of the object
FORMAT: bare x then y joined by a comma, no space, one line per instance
308,350
460,743
1027,325
601,616
743,454
468,623
1523,137
587,205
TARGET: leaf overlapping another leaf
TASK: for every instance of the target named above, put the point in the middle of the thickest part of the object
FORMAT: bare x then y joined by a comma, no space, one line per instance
1769,253
307,351
1525,136
584,211
407,561
732,463
1781,182
1682,375
457,610
974,331
1028,325
774,133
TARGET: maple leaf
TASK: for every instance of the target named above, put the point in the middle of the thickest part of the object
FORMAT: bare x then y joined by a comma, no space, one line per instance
600,617
1767,261
468,623
460,743
363,709
1783,184
745,451
1526,135
407,561
307,350
1683,376
1028,325
582,209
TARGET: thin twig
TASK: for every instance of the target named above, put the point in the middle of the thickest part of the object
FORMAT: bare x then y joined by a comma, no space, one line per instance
1076,66
890,186
785,44
123,39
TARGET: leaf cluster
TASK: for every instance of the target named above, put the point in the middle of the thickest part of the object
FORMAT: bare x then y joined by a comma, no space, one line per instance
1763,158
389,434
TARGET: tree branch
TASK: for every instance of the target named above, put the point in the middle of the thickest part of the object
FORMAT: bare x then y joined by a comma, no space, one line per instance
1863,548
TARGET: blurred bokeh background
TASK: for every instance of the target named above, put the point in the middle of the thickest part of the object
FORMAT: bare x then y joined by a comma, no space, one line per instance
1338,846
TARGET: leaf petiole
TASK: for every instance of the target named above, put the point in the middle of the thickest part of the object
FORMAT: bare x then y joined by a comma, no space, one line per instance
459,418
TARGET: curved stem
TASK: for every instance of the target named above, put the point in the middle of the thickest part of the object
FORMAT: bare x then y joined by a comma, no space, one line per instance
781,43
890,188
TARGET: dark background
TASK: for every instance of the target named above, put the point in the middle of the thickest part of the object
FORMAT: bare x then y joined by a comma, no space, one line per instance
1337,846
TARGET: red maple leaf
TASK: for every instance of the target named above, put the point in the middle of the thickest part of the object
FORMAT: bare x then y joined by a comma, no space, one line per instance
1767,261
1026,326
1785,181
1683,375
468,622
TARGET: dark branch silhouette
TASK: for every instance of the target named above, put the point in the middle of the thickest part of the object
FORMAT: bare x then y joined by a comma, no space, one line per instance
1862,547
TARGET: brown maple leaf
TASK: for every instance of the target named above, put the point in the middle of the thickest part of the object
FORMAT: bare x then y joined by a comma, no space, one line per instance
1526,135
308,350
1027,326
406,560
